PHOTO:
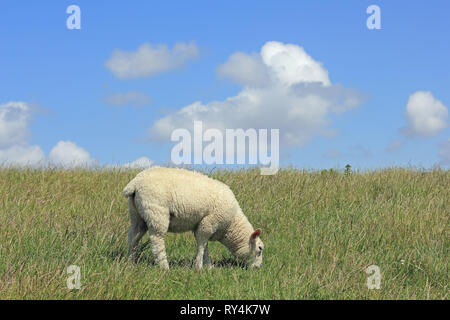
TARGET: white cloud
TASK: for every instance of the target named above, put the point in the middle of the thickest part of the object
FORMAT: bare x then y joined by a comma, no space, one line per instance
130,98
140,163
68,155
16,152
290,64
14,120
444,152
248,70
297,99
277,63
22,156
14,133
425,115
149,60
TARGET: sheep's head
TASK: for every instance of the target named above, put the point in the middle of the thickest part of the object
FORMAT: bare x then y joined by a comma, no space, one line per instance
256,250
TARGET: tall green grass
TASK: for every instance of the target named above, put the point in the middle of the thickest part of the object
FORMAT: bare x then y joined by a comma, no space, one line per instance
321,231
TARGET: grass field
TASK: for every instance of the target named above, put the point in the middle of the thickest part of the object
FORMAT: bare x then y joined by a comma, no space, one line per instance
321,230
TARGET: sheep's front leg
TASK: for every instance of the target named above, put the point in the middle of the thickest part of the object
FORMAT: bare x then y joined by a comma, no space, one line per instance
206,258
202,247
206,228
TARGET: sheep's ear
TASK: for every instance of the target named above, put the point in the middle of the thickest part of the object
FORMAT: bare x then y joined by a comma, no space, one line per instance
256,233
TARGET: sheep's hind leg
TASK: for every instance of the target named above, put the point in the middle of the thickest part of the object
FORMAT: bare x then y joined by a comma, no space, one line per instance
157,219
136,231
159,250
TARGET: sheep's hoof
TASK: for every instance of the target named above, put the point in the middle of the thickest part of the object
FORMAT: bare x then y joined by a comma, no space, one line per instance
164,267
132,258
198,267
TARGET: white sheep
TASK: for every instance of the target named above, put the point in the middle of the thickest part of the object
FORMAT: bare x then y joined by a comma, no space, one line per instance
163,200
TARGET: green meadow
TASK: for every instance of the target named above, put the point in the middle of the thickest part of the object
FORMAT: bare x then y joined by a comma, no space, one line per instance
321,230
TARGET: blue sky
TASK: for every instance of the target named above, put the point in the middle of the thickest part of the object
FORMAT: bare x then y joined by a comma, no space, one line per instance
62,76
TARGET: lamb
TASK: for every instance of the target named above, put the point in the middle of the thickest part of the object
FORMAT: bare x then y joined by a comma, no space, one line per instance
163,200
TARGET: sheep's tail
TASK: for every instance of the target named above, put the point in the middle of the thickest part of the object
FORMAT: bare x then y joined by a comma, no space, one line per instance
129,192
129,189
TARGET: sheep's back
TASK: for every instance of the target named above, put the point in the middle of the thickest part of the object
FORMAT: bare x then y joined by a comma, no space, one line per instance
187,194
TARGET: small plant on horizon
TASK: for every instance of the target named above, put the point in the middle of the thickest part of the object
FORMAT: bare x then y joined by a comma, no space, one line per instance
348,170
